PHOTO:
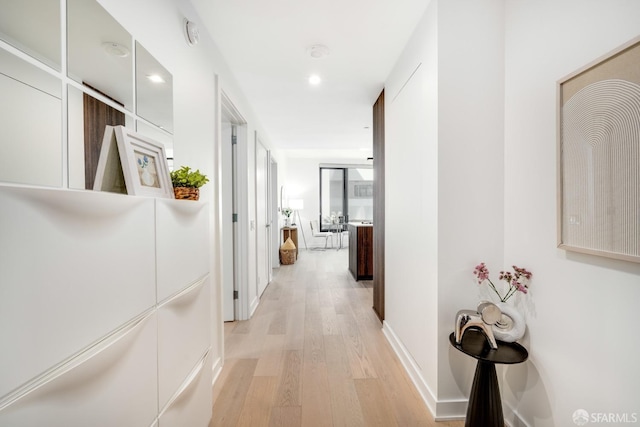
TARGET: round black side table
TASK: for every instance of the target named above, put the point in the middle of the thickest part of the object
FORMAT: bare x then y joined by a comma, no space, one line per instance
485,404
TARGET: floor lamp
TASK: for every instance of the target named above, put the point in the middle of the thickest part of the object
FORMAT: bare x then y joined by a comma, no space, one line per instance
297,205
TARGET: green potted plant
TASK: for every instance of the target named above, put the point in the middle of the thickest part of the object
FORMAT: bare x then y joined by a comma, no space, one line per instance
186,183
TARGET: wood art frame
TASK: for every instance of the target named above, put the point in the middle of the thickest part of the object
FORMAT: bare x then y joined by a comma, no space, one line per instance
135,160
598,151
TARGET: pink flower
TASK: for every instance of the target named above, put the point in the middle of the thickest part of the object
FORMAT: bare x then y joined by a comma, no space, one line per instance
521,287
481,272
516,281
522,272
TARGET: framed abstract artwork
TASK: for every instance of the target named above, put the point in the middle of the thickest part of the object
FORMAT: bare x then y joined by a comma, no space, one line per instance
599,156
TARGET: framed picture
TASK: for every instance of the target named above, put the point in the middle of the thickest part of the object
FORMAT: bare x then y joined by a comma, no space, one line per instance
109,176
599,156
135,160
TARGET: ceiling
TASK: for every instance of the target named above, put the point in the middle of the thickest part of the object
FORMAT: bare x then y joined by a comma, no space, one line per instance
265,44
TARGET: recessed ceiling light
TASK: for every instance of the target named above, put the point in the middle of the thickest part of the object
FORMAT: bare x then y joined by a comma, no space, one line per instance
156,78
116,49
318,51
314,79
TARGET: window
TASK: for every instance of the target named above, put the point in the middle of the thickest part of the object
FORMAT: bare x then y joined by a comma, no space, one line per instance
346,194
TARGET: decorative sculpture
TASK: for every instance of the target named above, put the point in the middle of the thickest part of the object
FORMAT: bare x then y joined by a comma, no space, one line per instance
486,315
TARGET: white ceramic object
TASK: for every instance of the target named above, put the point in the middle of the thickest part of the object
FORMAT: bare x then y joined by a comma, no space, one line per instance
511,326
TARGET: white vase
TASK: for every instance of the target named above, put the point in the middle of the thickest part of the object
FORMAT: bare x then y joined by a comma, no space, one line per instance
511,326
147,178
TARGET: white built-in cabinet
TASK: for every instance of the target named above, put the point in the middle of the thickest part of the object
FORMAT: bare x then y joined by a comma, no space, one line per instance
104,310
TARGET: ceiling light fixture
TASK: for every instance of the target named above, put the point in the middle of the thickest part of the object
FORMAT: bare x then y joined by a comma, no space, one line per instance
156,78
318,51
314,79
116,49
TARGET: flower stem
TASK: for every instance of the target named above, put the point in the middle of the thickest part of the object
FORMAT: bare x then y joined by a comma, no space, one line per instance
510,293
495,290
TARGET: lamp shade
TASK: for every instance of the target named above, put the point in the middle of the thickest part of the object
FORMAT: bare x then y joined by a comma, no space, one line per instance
296,204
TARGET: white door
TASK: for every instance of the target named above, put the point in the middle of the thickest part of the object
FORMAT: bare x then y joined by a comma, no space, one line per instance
275,230
228,225
263,225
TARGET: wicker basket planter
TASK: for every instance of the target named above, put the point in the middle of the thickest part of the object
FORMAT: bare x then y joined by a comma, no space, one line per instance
187,182
288,252
287,256
186,193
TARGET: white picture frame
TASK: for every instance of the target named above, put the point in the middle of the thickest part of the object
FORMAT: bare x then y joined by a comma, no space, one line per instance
142,165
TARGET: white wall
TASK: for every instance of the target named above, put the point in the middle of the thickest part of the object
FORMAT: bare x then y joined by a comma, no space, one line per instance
411,197
478,116
444,179
470,173
582,336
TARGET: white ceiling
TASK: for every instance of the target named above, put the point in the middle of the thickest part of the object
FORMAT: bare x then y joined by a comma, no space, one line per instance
265,44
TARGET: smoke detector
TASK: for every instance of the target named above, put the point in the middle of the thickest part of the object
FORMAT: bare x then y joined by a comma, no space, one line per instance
191,32
318,51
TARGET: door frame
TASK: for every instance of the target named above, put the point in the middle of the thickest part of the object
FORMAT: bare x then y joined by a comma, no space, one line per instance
238,226
275,209
264,218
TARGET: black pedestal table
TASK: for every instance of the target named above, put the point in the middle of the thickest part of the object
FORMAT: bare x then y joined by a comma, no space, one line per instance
485,404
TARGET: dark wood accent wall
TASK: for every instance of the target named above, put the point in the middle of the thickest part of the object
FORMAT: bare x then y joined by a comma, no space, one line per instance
378,207
97,115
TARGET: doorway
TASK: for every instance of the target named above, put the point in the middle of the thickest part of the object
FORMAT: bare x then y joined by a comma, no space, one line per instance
263,217
275,209
233,131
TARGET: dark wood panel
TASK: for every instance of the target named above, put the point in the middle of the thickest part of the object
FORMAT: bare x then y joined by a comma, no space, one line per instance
97,115
353,250
365,252
378,206
361,252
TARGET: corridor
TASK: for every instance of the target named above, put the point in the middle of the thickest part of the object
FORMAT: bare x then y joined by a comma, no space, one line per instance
314,355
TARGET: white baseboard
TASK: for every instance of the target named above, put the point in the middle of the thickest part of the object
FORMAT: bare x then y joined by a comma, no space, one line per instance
253,306
441,410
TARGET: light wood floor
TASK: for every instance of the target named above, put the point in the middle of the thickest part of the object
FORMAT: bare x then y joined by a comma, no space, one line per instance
314,355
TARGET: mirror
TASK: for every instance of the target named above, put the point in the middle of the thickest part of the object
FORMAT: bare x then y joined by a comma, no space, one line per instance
154,90
31,142
33,26
99,52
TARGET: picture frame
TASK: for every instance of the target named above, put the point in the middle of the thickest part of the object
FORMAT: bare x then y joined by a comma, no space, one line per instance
598,156
136,160
109,175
